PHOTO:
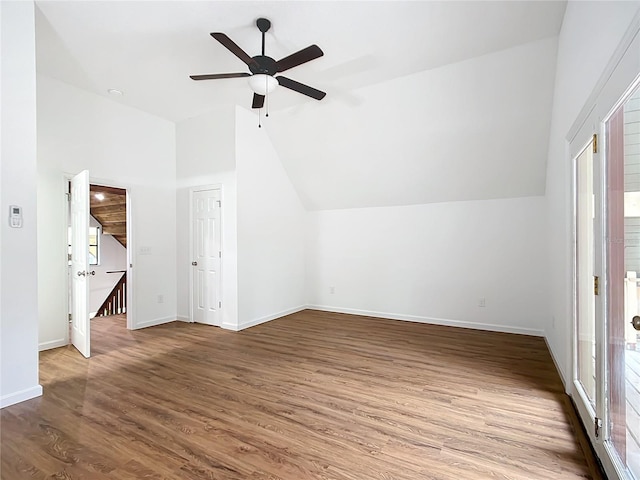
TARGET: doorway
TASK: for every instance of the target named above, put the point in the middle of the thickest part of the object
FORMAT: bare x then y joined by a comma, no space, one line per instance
108,299
100,288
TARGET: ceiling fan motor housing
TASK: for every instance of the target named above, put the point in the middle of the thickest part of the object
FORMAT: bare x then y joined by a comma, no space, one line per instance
263,64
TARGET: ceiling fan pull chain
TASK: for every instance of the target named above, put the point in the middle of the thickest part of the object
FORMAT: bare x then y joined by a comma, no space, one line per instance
259,114
266,87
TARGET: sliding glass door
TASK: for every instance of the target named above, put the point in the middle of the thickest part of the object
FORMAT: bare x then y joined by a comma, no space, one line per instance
622,130
606,339
605,152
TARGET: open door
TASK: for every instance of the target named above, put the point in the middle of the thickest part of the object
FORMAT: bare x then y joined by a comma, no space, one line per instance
80,331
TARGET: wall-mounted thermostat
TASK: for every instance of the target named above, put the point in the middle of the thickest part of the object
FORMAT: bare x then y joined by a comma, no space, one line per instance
15,216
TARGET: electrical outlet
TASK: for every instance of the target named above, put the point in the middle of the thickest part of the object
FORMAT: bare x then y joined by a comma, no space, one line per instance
482,302
332,290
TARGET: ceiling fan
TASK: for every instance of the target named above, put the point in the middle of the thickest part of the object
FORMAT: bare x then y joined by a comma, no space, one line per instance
263,68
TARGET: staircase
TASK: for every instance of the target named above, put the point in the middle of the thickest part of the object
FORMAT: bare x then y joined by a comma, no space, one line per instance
116,301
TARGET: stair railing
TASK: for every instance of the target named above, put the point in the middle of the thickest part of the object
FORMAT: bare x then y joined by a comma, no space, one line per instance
116,301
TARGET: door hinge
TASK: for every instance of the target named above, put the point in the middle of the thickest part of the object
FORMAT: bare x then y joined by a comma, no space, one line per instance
219,304
595,143
596,284
69,318
219,254
598,426
68,257
219,203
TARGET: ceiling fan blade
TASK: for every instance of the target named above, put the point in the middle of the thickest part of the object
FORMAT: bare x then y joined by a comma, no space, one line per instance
232,47
301,88
258,101
215,76
303,56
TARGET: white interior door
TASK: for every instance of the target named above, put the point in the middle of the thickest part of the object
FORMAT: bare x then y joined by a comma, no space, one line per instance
79,211
587,371
206,255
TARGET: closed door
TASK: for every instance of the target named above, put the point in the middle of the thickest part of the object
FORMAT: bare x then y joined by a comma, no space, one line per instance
206,257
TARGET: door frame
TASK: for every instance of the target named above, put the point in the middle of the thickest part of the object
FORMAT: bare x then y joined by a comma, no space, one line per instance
620,76
192,190
130,245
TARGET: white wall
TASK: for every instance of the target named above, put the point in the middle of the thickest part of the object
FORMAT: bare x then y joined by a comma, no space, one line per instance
120,146
205,155
434,262
590,33
271,229
18,252
113,257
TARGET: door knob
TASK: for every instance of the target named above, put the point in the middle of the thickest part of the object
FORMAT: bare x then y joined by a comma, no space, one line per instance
92,272
635,321
194,264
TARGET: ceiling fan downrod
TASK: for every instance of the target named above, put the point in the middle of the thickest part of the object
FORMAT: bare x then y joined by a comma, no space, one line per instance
263,25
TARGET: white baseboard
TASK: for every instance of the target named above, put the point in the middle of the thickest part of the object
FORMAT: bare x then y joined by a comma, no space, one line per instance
182,318
434,321
61,342
21,396
555,363
267,318
153,323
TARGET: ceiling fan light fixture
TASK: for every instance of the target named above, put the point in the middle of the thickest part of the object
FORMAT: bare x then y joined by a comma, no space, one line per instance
262,84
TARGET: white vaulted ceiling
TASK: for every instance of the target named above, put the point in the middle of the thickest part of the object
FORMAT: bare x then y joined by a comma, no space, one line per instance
426,101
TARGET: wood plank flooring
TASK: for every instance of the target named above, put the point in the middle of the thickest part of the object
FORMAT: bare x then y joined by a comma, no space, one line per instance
312,395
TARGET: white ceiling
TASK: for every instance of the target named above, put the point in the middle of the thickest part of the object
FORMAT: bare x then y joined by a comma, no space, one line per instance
426,101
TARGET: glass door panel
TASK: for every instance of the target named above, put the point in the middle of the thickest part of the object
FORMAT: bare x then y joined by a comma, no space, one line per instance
585,264
623,340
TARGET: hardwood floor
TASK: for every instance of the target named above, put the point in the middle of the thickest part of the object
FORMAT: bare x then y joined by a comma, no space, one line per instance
312,395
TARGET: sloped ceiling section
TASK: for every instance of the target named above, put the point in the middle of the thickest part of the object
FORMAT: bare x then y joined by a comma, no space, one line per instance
427,101
473,130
